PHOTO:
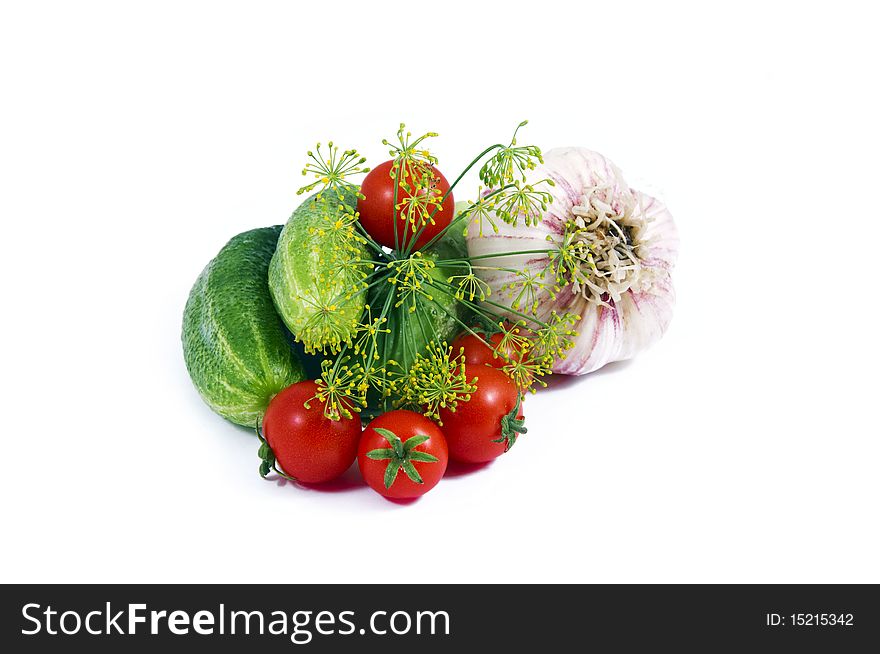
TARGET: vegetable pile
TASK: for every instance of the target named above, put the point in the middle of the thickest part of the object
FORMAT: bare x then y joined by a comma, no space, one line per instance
430,321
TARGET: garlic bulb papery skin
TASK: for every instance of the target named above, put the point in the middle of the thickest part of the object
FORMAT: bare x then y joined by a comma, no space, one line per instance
620,283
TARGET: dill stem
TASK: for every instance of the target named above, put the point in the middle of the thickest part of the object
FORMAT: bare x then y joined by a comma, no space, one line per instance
509,254
463,324
461,175
475,307
493,255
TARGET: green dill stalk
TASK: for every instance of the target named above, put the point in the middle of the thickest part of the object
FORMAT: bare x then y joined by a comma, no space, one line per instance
464,172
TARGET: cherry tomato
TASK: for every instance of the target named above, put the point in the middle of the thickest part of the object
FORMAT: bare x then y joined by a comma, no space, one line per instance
307,445
402,454
377,207
488,424
478,353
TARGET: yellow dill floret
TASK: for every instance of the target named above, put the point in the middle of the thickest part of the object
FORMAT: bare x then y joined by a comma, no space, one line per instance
437,380
327,328
510,163
331,171
523,201
526,289
339,388
367,333
411,277
555,337
470,286
478,211
407,150
420,202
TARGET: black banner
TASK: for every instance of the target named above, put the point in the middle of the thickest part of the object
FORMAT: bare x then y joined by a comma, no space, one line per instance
435,618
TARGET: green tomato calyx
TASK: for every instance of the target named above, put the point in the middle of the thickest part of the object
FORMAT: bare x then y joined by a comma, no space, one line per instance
401,455
511,426
267,458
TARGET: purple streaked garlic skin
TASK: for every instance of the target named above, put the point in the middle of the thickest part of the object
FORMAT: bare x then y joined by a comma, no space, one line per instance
623,246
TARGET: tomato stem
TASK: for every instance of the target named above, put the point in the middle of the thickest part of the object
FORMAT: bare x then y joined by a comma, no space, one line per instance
511,426
267,458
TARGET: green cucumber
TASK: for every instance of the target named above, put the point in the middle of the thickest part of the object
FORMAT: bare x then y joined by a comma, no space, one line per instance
319,298
236,348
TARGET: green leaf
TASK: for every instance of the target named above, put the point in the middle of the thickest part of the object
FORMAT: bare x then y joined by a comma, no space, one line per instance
424,457
267,457
391,472
411,472
381,454
265,451
415,441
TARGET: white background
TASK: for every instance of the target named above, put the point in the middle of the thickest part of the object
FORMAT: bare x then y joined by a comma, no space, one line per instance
136,138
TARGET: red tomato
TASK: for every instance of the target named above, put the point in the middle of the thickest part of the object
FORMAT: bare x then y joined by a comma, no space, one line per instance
402,454
307,445
488,424
377,208
478,353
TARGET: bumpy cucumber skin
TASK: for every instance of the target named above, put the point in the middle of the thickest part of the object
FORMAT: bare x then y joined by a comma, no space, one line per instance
299,261
236,349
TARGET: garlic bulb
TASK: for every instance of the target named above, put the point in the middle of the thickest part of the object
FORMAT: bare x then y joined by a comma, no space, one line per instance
600,250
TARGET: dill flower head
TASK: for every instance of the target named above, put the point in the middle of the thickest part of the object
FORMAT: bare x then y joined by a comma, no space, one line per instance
437,380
